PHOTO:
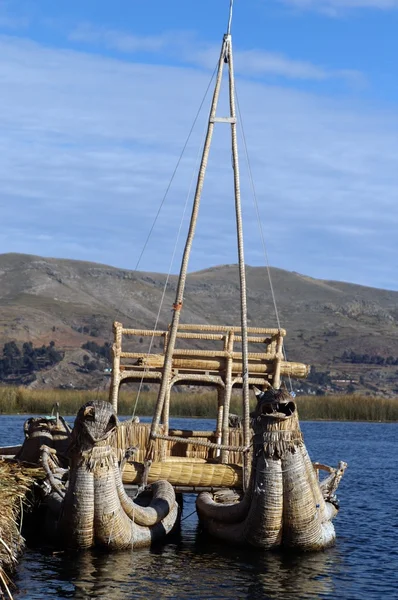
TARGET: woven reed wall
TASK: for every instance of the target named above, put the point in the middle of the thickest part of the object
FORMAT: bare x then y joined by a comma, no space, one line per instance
130,434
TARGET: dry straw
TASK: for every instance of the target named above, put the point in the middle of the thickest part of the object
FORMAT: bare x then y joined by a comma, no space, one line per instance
16,481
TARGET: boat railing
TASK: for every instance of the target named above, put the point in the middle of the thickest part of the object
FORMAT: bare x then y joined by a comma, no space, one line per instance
204,355
210,355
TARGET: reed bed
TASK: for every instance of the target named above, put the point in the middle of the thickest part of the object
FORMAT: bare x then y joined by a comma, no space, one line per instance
350,407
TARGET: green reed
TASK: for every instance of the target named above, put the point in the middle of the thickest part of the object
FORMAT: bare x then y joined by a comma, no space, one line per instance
347,407
334,408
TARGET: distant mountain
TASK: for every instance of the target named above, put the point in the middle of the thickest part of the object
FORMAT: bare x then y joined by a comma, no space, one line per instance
347,332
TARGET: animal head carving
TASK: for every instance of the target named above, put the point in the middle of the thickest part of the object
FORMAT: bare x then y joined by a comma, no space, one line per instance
275,423
95,422
271,403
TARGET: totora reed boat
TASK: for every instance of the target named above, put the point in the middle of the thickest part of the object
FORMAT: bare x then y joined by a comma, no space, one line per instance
255,482
265,458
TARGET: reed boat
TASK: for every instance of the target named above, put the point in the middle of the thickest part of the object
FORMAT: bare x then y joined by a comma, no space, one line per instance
255,482
276,508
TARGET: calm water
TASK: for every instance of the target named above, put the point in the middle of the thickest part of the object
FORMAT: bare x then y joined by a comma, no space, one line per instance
363,565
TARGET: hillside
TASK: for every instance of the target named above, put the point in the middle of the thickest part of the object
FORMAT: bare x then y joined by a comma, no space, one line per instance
70,302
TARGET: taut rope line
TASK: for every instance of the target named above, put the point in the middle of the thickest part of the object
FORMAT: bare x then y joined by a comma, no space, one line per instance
267,263
168,277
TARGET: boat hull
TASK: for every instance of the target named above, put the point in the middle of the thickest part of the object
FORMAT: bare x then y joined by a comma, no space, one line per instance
284,504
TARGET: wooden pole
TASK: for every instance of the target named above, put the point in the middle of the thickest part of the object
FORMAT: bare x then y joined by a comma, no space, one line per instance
227,398
220,413
242,272
116,351
278,364
187,250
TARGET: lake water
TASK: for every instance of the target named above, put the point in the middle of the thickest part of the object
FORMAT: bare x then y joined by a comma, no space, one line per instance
362,565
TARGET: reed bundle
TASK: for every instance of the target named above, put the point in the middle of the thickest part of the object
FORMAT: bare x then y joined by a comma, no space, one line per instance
94,509
210,364
16,481
284,503
187,474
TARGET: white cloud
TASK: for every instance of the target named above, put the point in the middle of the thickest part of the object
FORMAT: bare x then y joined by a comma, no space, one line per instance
260,62
334,7
88,146
121,41
186,48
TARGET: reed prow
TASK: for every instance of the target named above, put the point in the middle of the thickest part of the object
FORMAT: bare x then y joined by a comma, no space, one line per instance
285,504
92,507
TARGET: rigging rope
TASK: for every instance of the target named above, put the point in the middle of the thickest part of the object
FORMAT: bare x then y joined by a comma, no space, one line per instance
168,186
119,310
267,263
194,171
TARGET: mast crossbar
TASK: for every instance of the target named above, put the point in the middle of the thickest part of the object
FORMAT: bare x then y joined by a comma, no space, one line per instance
222,120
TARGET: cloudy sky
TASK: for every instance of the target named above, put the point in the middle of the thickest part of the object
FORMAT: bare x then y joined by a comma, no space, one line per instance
98,99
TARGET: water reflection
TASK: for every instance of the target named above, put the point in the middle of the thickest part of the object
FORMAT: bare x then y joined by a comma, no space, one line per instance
278,574
183,569
284,576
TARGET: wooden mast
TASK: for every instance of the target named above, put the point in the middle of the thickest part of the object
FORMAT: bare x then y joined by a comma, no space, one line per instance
226,57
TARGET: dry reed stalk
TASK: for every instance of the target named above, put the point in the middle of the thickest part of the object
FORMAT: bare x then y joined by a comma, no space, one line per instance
16,481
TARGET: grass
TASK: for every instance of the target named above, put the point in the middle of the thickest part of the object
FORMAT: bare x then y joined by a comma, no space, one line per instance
334,408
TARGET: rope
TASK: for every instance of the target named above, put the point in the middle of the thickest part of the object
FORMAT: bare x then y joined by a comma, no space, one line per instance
267,263
119,310
169,185
196,442
187,517
175,306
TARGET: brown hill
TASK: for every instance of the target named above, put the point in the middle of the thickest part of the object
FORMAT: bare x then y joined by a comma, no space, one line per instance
70,302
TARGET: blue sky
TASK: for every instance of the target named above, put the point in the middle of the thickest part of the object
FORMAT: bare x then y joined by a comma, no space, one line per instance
98,98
